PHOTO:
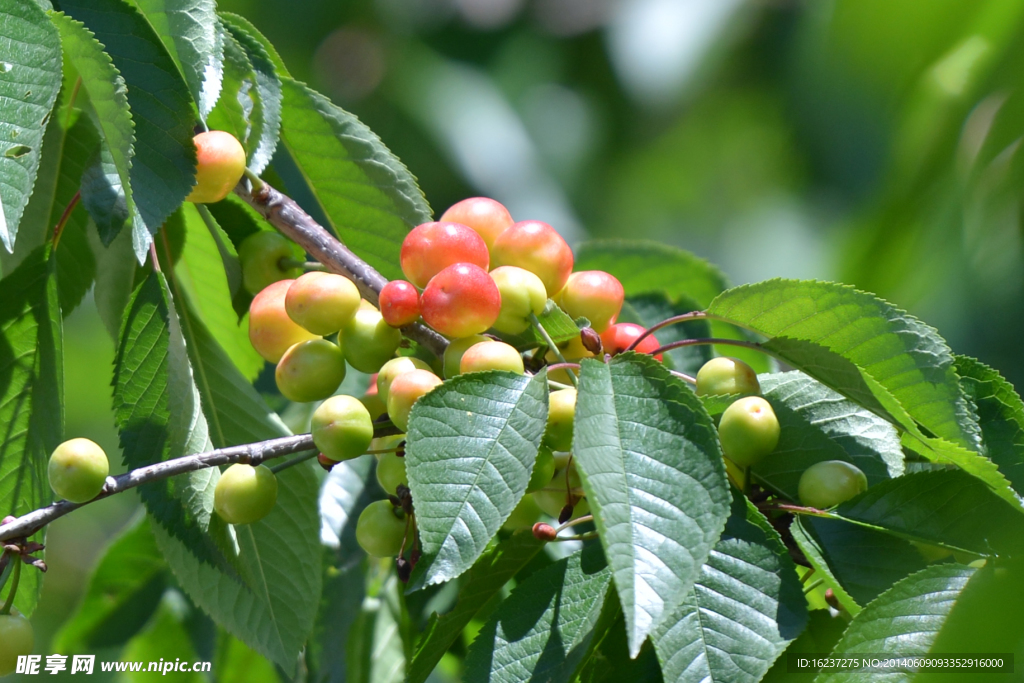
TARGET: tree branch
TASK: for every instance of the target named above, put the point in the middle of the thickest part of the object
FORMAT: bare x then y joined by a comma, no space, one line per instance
252,454
286,215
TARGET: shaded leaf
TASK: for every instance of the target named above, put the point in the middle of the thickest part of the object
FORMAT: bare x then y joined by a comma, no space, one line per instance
653,307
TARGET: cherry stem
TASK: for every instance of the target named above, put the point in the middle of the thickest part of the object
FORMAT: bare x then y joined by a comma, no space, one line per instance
553,346
292,462
15,579
380,451
685,317
814,584
256,182
711,340
558,385
796,509
580,537
285,263
683,376
58,229
808,575
563,366
578,520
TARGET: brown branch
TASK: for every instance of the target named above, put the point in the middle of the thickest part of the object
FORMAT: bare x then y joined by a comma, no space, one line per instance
253,454
283,213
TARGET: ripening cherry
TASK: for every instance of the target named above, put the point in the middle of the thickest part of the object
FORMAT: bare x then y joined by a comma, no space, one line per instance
561,414
460,301
405,390
220,164
310,371
395,367
245,494
78,469
17,639
619,336
322,303
522,293
494,356
721,376
452,361
535,246
391,472
262,255
594,295
488,217
748,431
342,428
380,529
829,483
368,341
431,247
271,331
399,303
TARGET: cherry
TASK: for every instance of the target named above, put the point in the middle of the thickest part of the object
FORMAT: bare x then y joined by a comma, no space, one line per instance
488,217
522,293
405,390
322,303
78,469
391,472
594,295
261,255
494,356
342,428
310,371
368,341
456,349
523,516
245,494
561,413
220,164
271,331
399,303
460,301
748,431
372,400
829,483
618,337
325,462
17,639
395,367
431,247
536,247
722,376
380,529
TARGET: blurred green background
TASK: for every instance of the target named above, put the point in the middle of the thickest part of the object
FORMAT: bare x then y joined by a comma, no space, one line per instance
873,142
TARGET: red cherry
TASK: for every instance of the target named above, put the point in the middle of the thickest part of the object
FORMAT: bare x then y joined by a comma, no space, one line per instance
399,303
432,247
488,217
535,246
619,336
460,301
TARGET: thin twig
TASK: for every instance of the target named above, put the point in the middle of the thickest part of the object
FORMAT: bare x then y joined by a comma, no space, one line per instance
711,340
58,229
253,454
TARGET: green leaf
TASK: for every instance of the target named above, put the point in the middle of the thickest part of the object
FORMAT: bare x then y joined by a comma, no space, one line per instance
479,585
653,473
106,186
819,424
163,167
1000,415
471,447
376,647
545,627
815,554
31,394
822,633
189,31
864,561
948,508
836,334
653,307
115,277
238,111
165,638
902,621
556,323
368,196
347,490
240,23
742,612
262,139
124,591
30,80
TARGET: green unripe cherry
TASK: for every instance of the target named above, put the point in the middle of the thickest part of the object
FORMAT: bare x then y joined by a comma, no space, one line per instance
261,255
405,390
78,469
561,413
368,341
748,431
342,428
522,293
380,529
17,639
245,494
829,483
322,303
722,376
395,367
453,354
494,356
310,371
391,472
